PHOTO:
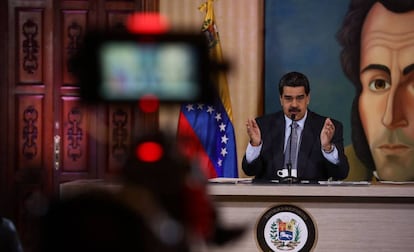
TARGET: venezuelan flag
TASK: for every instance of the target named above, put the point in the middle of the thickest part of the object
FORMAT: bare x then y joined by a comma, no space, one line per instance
206,130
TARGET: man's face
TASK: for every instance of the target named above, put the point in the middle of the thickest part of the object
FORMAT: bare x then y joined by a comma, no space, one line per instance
294,101
386,104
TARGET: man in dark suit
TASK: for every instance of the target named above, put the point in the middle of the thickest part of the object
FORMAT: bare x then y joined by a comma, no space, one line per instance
320,152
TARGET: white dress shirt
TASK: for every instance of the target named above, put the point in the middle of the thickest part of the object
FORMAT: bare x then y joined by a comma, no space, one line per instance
253,152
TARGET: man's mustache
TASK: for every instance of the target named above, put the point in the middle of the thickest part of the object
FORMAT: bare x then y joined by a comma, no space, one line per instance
294,110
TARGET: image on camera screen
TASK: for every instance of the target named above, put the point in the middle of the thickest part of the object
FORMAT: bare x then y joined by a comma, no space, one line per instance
131,70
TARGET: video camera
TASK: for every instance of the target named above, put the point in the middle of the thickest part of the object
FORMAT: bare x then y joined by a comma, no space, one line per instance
125,67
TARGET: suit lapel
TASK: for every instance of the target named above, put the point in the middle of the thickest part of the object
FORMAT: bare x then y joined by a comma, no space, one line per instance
307,142
277,146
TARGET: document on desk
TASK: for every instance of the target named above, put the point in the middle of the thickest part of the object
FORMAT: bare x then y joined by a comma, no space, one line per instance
230,180
344,183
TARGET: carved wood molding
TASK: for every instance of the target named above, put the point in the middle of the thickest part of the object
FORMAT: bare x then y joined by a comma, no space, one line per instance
74,134
120,135
30,132
30,46
75,34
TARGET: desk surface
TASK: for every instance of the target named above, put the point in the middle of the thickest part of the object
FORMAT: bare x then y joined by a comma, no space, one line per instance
377,190
357,189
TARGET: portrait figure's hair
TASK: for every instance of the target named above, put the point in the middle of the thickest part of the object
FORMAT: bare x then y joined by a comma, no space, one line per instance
294,79
349,37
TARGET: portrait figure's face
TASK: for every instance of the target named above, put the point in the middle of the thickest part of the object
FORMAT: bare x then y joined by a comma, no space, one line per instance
294,100
386,104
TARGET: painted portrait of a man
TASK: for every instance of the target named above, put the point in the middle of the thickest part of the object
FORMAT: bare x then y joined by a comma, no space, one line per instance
377,39
360,56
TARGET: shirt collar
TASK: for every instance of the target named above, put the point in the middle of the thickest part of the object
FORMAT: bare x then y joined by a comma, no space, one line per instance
300,122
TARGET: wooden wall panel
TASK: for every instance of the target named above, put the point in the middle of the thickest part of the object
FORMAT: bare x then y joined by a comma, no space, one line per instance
38,92
116,20
30,41
120,137
4,59
74,152
29,131
74,27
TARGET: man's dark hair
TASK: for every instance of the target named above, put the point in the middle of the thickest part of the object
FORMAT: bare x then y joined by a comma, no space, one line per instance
349,37
294,79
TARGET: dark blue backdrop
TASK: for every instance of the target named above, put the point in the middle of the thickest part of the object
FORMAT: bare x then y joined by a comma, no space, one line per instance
300,36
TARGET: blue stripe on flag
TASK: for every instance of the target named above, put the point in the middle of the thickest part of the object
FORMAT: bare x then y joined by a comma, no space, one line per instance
216,133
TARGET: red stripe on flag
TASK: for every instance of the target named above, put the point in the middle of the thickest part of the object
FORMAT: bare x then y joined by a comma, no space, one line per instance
192,148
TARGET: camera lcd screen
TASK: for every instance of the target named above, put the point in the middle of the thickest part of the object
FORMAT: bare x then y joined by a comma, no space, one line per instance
122,67
130,70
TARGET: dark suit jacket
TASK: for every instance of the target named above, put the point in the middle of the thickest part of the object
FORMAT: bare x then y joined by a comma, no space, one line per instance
311,165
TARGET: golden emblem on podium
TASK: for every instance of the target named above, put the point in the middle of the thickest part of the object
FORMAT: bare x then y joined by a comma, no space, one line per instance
286,228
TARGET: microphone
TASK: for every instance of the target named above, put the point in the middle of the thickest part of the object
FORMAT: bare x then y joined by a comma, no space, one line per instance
289,178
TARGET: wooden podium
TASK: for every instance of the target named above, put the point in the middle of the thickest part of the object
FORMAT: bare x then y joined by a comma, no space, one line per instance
347,217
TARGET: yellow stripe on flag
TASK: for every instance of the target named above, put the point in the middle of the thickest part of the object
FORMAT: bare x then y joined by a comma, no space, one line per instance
210,29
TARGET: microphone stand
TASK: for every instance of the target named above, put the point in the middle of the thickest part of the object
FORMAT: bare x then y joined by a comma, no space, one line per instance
289,179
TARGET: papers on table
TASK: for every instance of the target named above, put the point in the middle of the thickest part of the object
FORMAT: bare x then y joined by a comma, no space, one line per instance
231,180
351,183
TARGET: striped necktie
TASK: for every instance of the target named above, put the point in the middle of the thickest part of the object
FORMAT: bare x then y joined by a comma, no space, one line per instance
293,147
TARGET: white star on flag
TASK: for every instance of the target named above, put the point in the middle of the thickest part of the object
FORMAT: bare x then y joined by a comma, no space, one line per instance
210,109
222,127
223,152
218,117
200,106
224,139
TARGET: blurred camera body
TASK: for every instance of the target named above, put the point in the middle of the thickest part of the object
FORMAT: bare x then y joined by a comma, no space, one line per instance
127,67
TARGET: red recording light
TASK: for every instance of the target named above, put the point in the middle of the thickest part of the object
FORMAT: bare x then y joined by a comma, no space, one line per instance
149,103
149,152
147,23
